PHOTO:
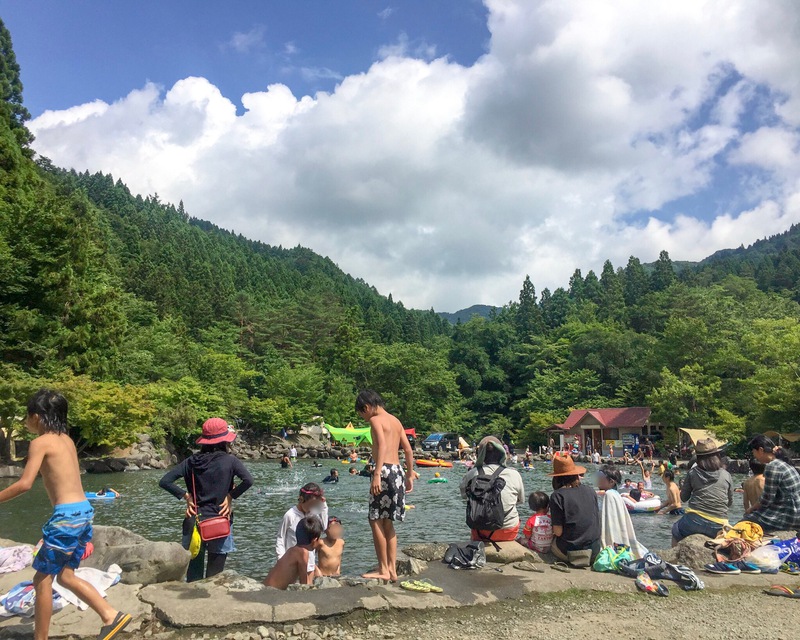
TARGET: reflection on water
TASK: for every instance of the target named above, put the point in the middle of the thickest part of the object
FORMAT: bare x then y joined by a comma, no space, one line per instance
438,516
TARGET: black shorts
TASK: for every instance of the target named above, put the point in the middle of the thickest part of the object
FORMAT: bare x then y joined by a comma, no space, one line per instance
390,503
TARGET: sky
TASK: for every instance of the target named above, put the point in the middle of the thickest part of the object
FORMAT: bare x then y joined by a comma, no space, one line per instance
441,149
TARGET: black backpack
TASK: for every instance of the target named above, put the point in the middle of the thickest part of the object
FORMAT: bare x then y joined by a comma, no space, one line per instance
484,504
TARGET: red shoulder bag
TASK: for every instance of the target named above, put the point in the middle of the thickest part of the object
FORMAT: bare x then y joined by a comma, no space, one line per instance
212,528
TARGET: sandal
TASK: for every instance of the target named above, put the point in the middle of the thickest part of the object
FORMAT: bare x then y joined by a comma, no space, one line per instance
431,587
780,590
561,566
528,566
792,568
413,585
110,630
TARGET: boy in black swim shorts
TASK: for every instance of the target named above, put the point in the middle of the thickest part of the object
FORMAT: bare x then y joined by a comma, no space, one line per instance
389,484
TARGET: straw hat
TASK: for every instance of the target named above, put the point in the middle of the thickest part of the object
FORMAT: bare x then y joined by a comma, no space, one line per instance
706,447
565,466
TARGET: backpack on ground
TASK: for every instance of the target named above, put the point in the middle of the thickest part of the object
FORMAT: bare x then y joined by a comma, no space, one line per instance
484,502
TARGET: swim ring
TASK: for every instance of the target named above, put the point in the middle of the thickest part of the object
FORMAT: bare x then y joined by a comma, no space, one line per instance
644,506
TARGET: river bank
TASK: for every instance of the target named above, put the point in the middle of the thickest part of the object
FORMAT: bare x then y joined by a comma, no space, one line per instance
552,603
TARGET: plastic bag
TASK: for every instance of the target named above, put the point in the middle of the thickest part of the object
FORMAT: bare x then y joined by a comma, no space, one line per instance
789,549
766,558
609,558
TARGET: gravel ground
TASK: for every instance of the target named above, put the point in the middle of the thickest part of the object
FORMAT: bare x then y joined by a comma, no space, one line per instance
573,615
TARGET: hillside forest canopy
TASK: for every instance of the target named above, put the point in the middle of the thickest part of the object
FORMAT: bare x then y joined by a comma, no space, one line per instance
150,321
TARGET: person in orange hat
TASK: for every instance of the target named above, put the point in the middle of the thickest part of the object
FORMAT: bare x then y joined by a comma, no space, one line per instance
210,491
574,513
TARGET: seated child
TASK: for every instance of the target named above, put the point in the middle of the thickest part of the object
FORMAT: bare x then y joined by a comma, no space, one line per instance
311,501
537,534
333,478
635,495
754,486
329,550
627,486
293,566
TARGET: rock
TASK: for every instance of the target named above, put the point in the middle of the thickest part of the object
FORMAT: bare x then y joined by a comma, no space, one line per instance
326,582
428,552
263,632
406,566
690,551
107,465
10,471
297,629
511,551
142,561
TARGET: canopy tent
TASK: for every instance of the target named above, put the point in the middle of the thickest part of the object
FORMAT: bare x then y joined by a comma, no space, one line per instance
411,433
350,435
702,434
789,437
463,443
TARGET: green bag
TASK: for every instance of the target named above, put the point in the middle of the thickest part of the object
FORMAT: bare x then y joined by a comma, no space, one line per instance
609,558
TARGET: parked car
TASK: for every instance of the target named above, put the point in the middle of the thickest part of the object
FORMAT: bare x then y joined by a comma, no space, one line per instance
441,442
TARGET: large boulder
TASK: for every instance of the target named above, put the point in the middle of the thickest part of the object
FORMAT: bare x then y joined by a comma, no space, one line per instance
406,566
690,551
142,561
429,552
510,551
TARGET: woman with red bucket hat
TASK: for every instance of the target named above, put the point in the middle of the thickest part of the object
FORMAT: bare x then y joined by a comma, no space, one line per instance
209,493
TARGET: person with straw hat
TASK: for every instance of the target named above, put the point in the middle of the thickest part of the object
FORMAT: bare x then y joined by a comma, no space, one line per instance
708,490
574,513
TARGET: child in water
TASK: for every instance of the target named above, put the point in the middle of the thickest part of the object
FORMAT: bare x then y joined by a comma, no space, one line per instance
537,534
330,548
310,502
293,566
67,533
389,484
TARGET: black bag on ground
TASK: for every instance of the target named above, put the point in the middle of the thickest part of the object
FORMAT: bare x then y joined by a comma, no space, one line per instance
484,502
466,556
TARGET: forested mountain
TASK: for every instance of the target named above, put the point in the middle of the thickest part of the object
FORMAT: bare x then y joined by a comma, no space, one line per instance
480,310
149,320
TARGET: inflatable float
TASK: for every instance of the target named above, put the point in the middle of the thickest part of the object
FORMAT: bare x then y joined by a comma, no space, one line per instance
437,480
91,495
356,461
434,463
647,505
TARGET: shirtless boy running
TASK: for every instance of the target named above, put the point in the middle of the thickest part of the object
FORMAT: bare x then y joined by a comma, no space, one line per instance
389,484
69,530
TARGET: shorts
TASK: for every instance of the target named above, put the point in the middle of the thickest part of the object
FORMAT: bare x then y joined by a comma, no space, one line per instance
64,538
499,535
692,523
390,503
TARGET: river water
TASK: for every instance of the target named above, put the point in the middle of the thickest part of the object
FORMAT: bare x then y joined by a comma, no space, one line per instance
438,516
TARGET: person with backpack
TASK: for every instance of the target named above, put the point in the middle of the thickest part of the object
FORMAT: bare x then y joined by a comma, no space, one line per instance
492,491
575,515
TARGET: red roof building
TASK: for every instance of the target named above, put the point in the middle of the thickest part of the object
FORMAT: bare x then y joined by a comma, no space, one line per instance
604,429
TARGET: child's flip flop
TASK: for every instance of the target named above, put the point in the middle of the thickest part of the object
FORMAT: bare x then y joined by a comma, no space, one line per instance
780,590
111,630
561,566
431,587
791,568
413,585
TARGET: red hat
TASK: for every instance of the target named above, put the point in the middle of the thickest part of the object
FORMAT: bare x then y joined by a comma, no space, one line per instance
216,430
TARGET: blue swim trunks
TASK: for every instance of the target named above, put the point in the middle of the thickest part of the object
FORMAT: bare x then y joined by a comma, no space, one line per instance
65,537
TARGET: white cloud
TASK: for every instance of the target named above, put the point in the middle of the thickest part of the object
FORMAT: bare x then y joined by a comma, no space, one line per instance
384,14
445,184
311,74
403,48
246,41
290,49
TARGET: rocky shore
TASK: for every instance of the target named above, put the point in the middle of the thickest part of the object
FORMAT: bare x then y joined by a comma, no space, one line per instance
236,607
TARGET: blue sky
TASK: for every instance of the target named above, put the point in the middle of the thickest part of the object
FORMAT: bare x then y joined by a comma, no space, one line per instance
77,51
440,150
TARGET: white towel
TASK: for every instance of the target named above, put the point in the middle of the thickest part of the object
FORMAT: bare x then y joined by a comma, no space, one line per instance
616,525
100,580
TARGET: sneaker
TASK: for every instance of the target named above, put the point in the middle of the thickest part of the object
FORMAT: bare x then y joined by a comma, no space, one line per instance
745,567
728,568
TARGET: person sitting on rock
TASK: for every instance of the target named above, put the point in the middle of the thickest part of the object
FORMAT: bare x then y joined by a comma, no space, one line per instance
537,534
330,548
753,487
293,566
333,478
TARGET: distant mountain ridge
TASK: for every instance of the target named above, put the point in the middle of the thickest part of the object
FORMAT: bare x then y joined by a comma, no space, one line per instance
480,310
